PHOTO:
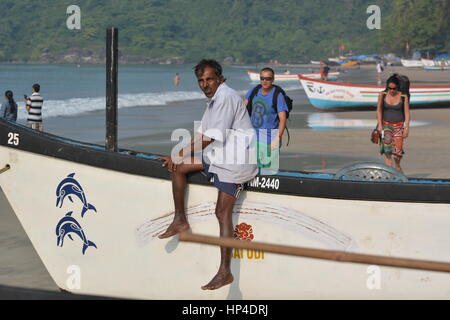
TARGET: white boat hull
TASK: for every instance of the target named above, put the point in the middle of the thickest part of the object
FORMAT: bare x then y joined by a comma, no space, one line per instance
132,210
254,76
412,63
435,63
329,95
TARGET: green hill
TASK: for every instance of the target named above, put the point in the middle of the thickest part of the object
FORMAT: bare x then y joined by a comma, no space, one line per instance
245,31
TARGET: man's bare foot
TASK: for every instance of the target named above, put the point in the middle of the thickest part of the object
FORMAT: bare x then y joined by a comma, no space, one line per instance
220,280
174,229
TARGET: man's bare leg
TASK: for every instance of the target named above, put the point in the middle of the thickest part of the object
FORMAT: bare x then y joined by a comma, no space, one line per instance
179,183
224,213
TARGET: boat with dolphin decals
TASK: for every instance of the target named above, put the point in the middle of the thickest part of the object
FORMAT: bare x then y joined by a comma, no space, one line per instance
293,77
69,187
132,192
67,226
331,95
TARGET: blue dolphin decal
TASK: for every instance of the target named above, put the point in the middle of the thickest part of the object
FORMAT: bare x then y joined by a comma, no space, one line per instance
68,225
68,187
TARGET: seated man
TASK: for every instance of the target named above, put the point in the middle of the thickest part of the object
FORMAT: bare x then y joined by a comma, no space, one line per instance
225,119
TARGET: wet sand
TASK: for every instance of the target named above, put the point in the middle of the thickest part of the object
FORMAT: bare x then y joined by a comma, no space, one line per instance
427,155
20,266
427,148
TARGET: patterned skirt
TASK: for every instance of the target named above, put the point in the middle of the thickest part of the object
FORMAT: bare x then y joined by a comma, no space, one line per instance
392,143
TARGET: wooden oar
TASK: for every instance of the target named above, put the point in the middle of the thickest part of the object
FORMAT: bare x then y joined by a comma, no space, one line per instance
338,256
6,168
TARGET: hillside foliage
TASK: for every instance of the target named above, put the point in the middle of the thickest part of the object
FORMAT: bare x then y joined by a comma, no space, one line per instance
246,30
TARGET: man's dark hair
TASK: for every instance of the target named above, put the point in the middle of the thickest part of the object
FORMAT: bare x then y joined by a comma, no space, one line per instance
36,87
268,69
200,67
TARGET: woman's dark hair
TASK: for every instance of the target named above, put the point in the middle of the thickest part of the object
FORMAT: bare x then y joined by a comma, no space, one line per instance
393,79
200,67
9,95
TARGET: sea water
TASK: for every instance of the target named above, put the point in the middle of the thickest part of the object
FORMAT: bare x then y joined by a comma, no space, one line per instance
71,90
150,106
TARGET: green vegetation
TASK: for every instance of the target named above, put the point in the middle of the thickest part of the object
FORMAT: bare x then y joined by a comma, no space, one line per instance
418,24
246,30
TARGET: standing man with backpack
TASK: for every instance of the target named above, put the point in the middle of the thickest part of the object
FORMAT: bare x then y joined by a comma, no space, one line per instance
269,108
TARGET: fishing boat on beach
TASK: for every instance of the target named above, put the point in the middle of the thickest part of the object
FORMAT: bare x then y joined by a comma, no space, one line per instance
93,213
412,63
89,209
430,63
437,68
292,77
331,95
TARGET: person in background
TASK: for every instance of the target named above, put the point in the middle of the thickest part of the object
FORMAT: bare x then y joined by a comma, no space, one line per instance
8,110
324,70
393,117
34,108
176,80
380,70
269,123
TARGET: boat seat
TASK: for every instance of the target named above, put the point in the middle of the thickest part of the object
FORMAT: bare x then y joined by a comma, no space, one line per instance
370,171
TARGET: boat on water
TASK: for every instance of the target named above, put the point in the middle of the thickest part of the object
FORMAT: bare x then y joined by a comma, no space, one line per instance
332,95
100,212
412,63
293,77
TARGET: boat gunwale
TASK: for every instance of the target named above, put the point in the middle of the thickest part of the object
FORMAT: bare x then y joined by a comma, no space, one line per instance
367,85
128,161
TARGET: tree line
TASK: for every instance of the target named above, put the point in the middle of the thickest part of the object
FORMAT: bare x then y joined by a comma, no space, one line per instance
244,31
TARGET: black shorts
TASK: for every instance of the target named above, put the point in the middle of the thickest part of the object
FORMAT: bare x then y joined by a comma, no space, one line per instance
232,189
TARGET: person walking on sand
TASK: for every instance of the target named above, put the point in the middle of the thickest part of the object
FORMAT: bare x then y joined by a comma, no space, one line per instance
380,70
34,108
8,110
176,80
393,117
224,120
324,70
268,111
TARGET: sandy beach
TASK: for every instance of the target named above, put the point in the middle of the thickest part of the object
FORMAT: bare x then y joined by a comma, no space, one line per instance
427,156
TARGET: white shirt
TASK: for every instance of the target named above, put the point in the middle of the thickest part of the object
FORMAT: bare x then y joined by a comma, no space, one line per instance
379,68
233,153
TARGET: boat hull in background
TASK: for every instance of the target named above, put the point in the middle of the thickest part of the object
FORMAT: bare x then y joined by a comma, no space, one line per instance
330,95
286,78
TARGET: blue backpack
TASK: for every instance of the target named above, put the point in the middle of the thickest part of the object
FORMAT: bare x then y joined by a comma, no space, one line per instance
278,91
